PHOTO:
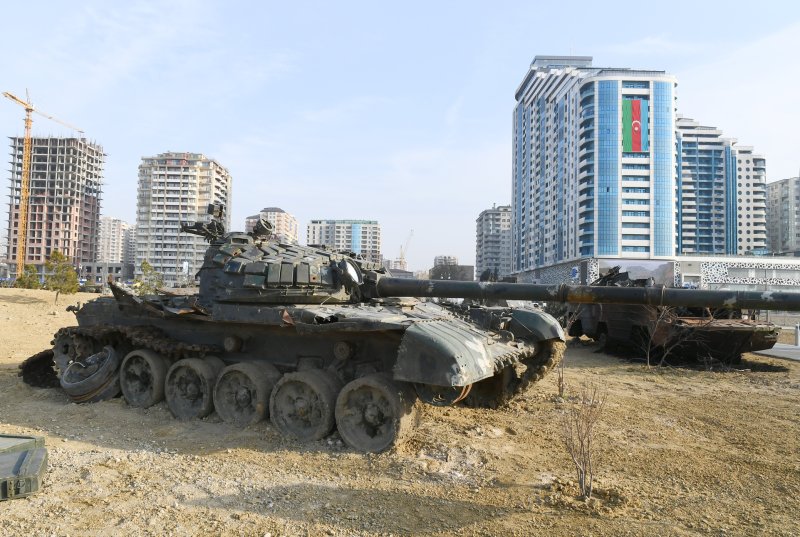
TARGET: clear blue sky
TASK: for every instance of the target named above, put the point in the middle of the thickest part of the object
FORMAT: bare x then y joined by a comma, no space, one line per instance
398,112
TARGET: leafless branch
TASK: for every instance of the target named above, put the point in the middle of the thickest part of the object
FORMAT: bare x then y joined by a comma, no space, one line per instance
578,428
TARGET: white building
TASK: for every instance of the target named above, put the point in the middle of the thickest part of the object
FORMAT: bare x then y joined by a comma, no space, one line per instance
358,236
111,240
751,214
177,188
493,241
284,225
440,260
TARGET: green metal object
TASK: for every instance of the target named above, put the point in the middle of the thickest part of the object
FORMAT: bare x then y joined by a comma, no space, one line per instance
23,461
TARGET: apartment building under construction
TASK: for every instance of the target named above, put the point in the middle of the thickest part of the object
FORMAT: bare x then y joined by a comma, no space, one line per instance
65,195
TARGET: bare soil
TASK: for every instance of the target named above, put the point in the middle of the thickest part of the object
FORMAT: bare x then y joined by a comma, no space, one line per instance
680,452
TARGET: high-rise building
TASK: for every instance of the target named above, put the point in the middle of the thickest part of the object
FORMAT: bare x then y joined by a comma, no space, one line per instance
129,255
783,218
721,193
594,163
117,244
177,188
111,240
493,241
284,225
358,236
64,204
751,215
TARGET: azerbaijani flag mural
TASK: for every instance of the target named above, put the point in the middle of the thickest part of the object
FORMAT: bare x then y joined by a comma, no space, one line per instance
634,125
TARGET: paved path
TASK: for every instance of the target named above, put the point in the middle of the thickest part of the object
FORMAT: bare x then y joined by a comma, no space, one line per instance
782,350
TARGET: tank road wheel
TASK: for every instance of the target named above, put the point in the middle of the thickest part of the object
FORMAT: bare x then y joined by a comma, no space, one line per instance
374,412
302,404
188,388
241,395
93,378
142,377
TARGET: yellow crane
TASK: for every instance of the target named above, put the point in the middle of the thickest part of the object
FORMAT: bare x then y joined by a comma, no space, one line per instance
24,190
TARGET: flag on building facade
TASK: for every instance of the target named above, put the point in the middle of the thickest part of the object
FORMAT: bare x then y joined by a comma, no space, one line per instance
634,126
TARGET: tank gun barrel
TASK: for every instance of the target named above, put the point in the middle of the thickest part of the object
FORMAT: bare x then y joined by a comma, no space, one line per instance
588,294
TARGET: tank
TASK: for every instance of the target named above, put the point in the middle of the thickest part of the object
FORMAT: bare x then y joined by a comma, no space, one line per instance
317,340
676,334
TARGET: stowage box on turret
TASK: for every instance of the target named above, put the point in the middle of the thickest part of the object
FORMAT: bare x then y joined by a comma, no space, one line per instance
314,339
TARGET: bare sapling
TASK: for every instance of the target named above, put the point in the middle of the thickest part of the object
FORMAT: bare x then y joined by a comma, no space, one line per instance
579,433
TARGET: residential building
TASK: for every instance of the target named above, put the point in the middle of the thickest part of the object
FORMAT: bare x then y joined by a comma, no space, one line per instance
783,218
65,193
594,163
440,260
129,253
751,215
493,241
359,236
721,193
284,225
111,240
176,188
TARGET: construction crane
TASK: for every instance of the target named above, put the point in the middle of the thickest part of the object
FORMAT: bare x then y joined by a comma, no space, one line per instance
24,189
404,250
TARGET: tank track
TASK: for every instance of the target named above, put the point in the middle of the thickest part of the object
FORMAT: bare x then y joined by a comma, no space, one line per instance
40,370
509,383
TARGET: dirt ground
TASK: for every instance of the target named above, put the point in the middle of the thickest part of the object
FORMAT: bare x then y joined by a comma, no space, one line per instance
681,452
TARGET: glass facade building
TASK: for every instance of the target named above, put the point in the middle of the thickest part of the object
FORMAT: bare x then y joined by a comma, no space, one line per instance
594,164
721,193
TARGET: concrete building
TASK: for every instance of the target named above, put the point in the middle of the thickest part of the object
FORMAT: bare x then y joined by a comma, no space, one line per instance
721,193
493,241
117,245
96,274
751,214
177,188
440,260
129,255
464,273
594,163
284,225
64,203
111,240
783,218
358,236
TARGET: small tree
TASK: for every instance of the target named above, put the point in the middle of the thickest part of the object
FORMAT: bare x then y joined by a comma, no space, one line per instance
60,275
149,282
578,427
29,279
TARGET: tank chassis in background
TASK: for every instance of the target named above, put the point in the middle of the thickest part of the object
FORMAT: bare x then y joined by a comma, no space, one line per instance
710,332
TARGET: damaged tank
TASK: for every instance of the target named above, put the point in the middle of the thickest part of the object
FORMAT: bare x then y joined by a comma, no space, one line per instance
676,334
311,338
316,339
